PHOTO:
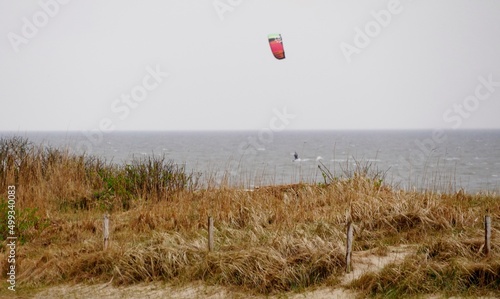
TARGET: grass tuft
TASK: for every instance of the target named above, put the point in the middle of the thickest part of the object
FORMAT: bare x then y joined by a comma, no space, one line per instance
268,240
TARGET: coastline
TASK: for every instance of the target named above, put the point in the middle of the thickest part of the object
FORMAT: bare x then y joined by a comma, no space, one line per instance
275,240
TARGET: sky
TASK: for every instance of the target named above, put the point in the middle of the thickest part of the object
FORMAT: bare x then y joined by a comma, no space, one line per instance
117,65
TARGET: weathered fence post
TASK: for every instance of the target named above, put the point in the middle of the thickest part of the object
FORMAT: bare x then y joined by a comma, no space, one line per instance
210,233
350,234
106,231
487,234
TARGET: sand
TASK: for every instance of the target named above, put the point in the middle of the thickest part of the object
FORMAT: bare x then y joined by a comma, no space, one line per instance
363,262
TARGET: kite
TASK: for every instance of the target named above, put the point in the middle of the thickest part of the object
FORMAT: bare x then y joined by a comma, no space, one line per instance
276,45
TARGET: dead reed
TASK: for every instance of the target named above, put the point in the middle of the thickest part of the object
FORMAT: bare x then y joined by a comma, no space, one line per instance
269,240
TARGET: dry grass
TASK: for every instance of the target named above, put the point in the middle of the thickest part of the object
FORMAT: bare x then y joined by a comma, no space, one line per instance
274,239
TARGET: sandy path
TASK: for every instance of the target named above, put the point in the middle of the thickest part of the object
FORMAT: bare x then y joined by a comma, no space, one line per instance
363,262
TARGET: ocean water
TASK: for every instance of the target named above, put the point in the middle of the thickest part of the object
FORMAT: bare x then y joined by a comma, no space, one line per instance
440,160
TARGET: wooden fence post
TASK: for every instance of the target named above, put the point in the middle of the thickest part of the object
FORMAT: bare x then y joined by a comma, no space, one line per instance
210,233
106,231
487,234
350,233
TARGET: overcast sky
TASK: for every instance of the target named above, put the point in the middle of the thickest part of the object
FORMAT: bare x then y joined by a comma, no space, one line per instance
90,65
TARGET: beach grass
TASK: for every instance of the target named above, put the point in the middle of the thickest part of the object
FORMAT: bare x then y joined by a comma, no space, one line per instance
268,240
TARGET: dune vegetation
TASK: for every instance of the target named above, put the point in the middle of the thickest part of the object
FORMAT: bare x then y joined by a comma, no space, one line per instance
267,241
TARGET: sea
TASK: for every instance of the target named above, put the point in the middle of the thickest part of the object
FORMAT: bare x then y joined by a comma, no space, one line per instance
443,161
